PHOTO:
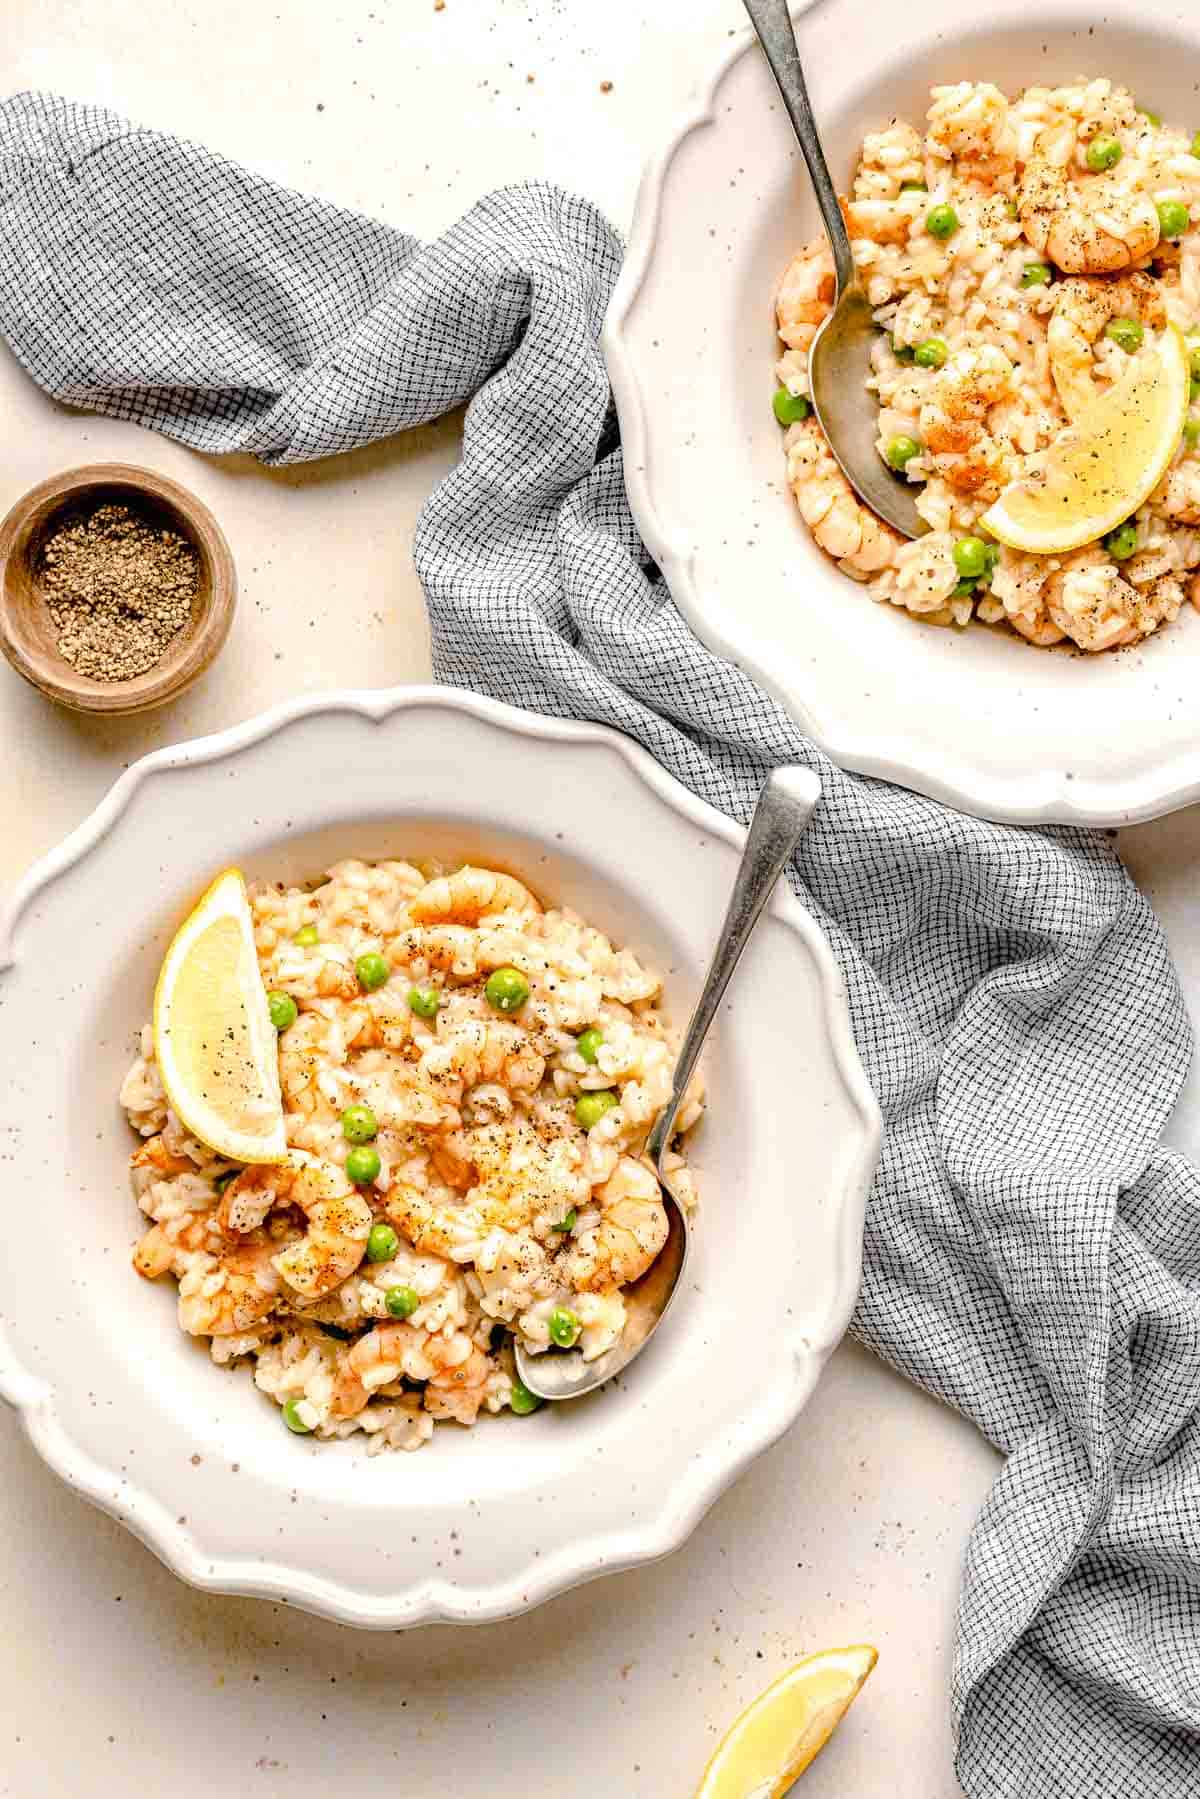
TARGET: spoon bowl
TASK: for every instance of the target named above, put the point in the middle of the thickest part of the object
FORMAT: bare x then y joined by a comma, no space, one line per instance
785,805
839,360
839,363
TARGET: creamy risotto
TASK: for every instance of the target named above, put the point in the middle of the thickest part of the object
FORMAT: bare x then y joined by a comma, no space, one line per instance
1016,253
468,1082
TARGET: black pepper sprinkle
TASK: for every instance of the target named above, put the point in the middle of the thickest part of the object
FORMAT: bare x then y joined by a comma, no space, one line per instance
119,589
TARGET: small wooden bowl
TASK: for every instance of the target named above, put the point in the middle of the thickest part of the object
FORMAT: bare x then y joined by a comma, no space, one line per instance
27,634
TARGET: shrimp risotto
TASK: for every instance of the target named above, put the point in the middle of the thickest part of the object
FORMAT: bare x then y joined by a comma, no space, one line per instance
468,1081
1017,256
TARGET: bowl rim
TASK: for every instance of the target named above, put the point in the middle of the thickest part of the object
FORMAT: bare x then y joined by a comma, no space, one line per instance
650,1538
178,668
1047,795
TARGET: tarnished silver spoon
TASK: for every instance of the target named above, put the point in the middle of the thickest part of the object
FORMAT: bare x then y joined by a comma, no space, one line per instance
839,361
784,807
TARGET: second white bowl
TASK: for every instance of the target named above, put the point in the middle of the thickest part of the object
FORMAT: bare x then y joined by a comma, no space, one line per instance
486,1522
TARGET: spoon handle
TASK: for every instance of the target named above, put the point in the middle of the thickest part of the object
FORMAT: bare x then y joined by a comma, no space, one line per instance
785,805
773,23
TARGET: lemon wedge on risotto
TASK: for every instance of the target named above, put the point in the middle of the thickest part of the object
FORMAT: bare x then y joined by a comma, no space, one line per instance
1106,463
786,1728
216,1047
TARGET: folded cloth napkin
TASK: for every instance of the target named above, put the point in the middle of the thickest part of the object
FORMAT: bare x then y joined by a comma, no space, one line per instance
1032,1253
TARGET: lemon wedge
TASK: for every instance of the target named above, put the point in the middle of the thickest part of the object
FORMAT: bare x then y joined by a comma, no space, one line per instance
787,1727
213,1038
1106,463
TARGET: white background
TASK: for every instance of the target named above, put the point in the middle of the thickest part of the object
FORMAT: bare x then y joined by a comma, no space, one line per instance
116,1677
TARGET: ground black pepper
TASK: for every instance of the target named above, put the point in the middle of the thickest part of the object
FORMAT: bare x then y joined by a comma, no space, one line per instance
119,588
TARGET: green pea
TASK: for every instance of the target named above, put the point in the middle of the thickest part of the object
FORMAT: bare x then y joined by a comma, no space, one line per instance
293,1420
401,1302
564,1327
362,1165
1194,362
1193,391
222,1181
507,989
1036,274
569,1222
1196,145
903,352
382,1241
1173,218
522,1400
963,588
588,1043
372,970
306,936
931,354
359,1124
591,1107
1127,334
1151,118
424,1001
1191,433
790,408
1103,153
901,451
1122,542
941,221
914,187
283,1010
1011,209
970,557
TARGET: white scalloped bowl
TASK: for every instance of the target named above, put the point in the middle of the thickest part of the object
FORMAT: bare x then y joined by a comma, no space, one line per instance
481,1523
976,718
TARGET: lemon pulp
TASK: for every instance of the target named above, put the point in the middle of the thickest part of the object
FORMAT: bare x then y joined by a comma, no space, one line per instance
781,1734
213,1039
1106,464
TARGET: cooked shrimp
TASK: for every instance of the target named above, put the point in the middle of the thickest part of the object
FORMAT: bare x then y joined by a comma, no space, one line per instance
453,1162
432,1227
1018,585
392,1351
842,526
339,1218
1087,224
1083,306
153,1161
468,895
631,1231
374,1361
954,419
482,1049
1092,602
458,1391
969,123
805,297
304,1051
166,1247
1179,495
231,1293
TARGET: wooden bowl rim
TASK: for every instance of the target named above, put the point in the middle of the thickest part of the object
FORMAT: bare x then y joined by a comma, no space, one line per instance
53,675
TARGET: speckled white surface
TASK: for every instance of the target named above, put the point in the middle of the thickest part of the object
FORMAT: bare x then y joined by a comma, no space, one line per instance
851,1527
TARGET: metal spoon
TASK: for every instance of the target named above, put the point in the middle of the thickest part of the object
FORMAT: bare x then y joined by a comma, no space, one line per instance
784,807
839,361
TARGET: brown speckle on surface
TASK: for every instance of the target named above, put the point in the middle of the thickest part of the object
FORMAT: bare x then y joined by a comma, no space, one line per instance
606,87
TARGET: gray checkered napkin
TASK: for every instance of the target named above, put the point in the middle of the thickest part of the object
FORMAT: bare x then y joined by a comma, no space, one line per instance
1032,1252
